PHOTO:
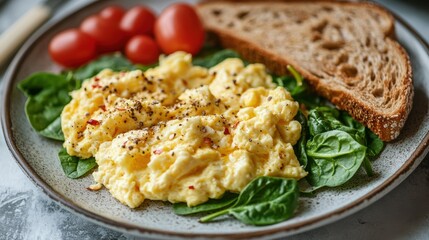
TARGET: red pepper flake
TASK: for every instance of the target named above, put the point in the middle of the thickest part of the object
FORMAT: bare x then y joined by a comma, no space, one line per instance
236,124
157,151
96,86
226,131
93,122
191,187
120,109
103,107
96,79
207,140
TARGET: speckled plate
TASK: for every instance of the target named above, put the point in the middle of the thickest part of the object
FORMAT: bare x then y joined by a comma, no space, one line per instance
37,156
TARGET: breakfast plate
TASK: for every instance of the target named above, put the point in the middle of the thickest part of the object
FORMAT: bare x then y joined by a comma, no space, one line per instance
38,156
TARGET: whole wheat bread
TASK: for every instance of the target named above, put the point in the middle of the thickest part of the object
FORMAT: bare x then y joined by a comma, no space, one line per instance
345,50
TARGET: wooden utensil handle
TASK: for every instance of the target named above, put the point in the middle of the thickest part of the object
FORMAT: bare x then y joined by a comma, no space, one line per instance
16,34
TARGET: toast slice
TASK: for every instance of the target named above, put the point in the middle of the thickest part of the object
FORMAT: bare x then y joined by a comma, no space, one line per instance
345,50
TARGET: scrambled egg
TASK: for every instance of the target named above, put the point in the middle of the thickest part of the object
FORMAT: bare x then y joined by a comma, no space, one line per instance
183,133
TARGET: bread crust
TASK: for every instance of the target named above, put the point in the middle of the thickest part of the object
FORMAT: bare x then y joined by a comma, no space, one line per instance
387,127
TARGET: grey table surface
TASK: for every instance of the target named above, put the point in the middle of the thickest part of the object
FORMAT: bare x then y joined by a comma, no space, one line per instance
26,213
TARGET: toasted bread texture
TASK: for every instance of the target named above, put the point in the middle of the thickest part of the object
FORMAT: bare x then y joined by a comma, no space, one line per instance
345,50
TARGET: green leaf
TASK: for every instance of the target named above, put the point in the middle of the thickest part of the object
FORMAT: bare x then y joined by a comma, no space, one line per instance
213,204
53,130
143,68
355,128
211,60
301,145
299,90
264,201
75,167
335,157
116,62
296,75
47,94
367,166
375,145
323,119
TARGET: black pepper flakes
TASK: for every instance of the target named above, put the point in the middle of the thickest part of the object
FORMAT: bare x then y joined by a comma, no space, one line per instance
217,102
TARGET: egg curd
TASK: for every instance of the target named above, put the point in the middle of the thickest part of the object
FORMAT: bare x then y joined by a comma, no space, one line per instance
183,133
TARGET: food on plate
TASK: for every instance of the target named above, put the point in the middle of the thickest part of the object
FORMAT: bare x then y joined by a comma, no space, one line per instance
142,49
183,133
139,20
178,28
345,51
107,35
72,48
113,13
207,130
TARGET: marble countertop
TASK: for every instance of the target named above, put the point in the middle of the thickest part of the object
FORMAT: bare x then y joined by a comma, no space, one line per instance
26,213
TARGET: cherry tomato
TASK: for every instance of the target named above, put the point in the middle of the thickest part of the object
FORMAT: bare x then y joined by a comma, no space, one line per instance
109,37
138,20
178,28
113,14
142,49
72,48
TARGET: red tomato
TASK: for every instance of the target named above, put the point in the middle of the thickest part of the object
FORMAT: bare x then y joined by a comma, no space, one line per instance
113,14
138,20
142,49
72,48
179,28
109,37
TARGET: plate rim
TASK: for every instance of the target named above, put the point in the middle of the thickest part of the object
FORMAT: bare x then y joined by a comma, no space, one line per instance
335,215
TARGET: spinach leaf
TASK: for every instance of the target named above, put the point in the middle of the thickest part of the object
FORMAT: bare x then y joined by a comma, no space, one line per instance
264,201
211,60
335,157
323,119
116,62
47,94
375,145
366,164
143,68
75,167
298,88
357,129
300,146
53,130
213,204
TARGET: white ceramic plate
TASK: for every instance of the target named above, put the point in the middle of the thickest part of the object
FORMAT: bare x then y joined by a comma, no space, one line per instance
37,156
